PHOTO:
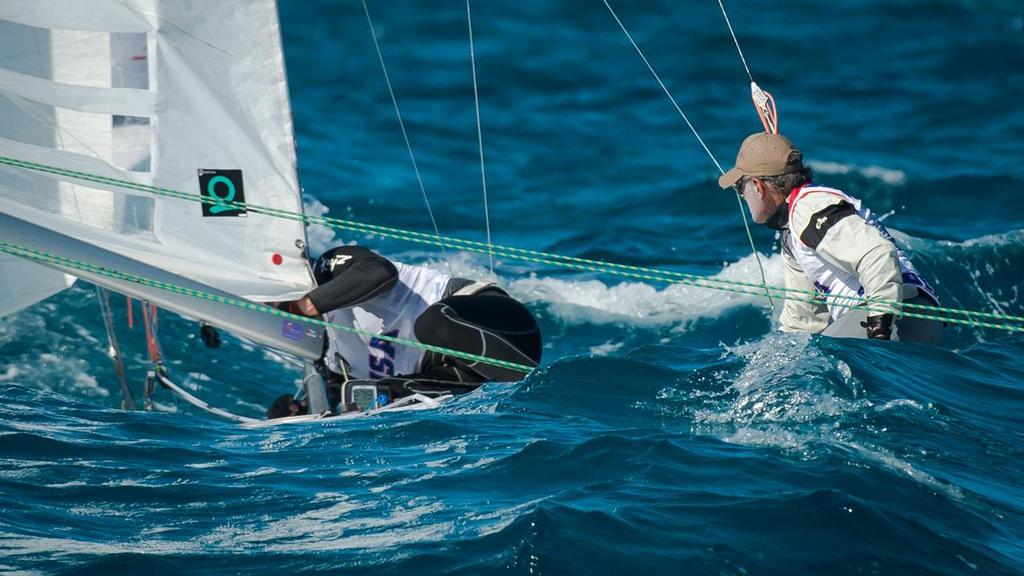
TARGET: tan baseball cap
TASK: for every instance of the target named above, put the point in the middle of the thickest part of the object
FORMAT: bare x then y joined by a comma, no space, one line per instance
764,154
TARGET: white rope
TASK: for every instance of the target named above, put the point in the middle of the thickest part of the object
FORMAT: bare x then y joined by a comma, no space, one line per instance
743,214
479,137
735,41
202,404
405,135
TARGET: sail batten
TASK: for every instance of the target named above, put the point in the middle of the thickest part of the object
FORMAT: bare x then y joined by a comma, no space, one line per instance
111,101
127,16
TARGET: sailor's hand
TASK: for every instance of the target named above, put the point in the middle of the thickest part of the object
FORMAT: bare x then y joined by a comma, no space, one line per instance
305,306
879,327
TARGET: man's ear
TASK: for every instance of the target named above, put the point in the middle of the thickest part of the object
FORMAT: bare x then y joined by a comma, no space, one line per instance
762,188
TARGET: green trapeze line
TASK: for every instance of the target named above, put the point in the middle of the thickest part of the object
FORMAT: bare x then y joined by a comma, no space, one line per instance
79,265
407,235
506,251
45,257
534,256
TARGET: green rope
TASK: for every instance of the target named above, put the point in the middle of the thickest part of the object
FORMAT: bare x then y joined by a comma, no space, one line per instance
47,258
556,260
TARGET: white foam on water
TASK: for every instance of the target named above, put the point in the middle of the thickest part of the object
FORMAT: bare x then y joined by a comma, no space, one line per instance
886,175
456,445
479,463
341,525
404,482
900,403
642,304
1014,237
591,301
71,484
606,348
321,238
442,463
497,520
990,274
885,459
203,465
148,482
781,399
264,471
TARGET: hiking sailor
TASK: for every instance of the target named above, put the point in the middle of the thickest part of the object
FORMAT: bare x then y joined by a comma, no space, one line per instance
831,244
361,289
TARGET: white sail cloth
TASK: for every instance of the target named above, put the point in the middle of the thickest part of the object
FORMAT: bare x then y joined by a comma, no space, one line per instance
186,96
23,283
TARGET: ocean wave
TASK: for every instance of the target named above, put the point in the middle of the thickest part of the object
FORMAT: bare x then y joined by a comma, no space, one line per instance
889,176
592,301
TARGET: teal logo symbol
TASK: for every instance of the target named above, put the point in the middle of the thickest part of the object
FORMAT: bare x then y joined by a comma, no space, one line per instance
224,186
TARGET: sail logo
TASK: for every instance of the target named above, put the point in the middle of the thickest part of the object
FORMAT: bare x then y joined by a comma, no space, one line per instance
222,186
292,330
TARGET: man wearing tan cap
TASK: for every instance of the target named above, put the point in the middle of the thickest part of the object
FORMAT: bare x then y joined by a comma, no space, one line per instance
831,245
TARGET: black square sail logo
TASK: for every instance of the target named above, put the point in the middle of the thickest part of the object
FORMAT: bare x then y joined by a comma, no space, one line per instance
224,186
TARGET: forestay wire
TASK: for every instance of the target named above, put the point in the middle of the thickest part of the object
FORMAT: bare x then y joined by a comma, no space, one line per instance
743,214
764,102
405,134
969,317
735,40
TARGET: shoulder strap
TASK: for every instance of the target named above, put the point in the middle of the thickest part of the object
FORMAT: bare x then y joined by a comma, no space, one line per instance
806,189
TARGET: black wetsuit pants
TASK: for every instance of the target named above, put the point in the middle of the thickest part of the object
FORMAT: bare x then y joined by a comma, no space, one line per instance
489,323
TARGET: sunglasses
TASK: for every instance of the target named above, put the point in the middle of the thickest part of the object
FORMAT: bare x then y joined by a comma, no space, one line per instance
743,181
740,184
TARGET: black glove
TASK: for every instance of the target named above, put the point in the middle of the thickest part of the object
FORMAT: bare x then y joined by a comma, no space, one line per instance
879,327
210,336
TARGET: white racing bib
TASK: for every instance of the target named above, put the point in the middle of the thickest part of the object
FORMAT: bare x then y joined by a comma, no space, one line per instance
393,314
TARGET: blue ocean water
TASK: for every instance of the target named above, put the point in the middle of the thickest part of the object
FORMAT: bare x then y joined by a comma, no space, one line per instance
670,429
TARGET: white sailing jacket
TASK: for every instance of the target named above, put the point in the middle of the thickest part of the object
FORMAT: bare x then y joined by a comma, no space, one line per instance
394,314
835,246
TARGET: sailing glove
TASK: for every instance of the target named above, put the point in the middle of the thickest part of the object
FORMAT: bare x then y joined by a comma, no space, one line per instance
879,327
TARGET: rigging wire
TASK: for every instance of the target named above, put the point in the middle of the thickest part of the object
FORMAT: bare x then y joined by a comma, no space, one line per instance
735,41
114,349
405,134
764,102
743,214
665,89
479,135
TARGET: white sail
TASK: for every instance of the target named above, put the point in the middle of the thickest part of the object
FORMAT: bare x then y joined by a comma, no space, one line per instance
291,336
185,96
23,283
